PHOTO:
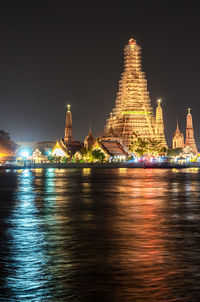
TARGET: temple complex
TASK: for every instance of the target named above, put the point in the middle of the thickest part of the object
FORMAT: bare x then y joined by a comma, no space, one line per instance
133,111
189,140
178,139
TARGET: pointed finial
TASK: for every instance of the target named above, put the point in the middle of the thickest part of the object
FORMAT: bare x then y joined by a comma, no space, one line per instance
189,110
159,101
68,107
177,127
90,130
132,42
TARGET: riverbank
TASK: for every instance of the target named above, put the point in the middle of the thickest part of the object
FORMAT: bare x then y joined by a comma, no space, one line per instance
145,165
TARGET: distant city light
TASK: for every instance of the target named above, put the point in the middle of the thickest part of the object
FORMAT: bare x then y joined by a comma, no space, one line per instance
25,154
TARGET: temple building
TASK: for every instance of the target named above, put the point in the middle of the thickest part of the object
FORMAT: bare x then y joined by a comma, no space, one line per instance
89,140
189,140
112,150
178,139
133,111
67,147
60,150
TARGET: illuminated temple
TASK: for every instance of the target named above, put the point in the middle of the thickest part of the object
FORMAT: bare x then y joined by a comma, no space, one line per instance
133,112
189,140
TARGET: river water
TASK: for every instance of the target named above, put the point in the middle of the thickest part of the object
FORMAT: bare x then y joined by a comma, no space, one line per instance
100,235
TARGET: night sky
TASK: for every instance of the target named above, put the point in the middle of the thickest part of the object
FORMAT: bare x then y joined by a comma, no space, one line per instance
53,53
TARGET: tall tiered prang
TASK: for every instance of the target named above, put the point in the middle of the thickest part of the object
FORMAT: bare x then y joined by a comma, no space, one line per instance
159,125
68,127
133,111
189,140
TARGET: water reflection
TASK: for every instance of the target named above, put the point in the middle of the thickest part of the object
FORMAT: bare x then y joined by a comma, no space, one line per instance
27,249
100,235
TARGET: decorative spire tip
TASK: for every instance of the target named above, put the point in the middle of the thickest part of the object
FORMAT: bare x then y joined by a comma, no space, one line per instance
159,101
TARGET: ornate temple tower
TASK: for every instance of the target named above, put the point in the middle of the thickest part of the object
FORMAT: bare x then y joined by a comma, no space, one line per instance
159,125
189,140
132,111
89,140
178,139
68,127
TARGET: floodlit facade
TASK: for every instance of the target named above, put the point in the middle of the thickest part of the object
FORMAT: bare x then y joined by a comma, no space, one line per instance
159,125
89,140
178,139
189,140
133,111
68,127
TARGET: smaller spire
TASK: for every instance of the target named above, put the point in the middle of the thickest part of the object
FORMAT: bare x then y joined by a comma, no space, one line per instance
189,110
159,101
177,128
90,131
68,107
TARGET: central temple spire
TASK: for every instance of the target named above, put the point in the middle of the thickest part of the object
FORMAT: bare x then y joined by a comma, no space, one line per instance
133,112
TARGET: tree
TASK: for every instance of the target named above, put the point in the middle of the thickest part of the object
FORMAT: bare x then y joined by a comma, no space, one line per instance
174,152
7,146
145,146
155,148
89,155
98,155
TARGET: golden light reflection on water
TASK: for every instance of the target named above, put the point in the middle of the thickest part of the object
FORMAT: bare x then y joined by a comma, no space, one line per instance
86,171
128,235
142,246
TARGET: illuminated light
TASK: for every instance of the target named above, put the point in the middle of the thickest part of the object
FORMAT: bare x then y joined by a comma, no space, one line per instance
132,42
2,154
132,95
58,152
25,154
123,170
86,171
136,112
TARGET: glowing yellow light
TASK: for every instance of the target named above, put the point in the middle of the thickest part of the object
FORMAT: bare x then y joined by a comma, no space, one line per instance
159,101
58,152
3,154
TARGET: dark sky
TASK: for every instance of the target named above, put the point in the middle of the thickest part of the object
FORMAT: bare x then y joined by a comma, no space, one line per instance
53,53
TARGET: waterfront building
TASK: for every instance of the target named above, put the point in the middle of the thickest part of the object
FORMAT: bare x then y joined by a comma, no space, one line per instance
133,112
178,139
189,140
44,147
39,157
112,150
89,140
60,150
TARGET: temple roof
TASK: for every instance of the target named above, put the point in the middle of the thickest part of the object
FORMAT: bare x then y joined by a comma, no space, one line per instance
74,146
113,148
